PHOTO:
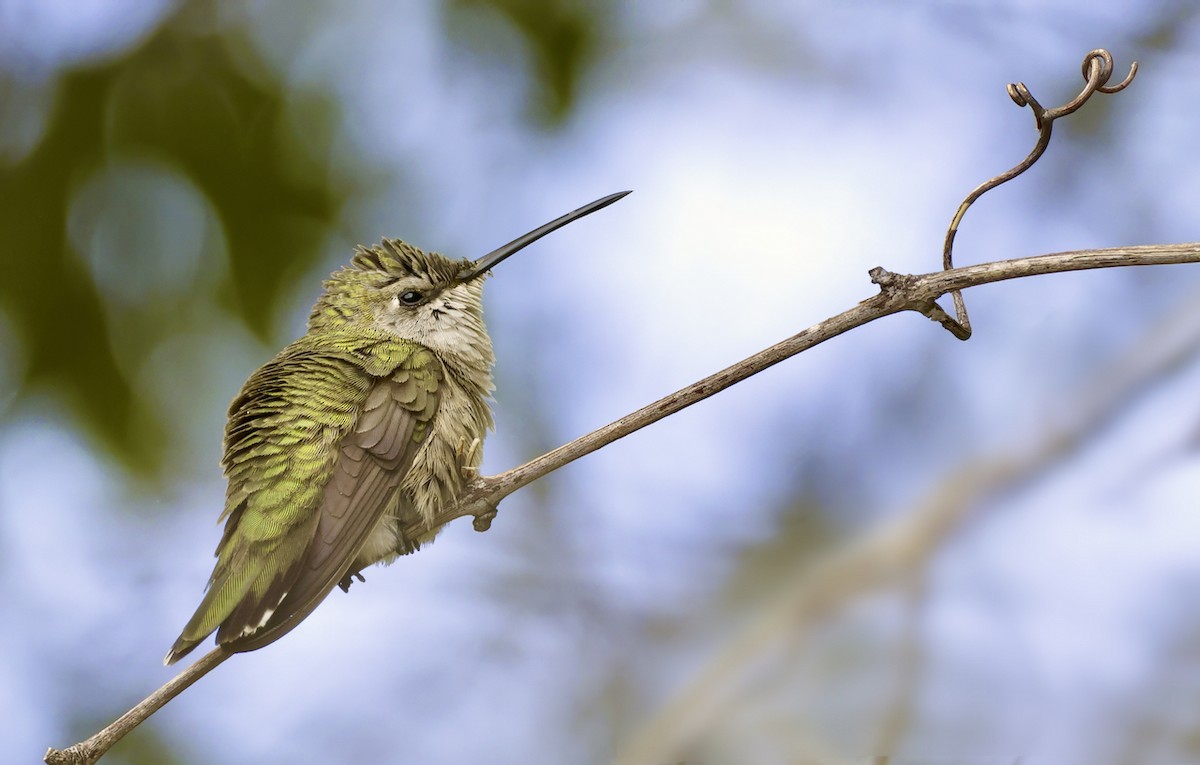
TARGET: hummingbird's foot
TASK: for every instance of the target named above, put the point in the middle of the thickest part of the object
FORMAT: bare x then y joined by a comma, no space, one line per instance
407,546
349,578
470,456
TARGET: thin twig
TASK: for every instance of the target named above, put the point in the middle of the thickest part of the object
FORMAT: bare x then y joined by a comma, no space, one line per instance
889,554
87,752
898,292
1097,71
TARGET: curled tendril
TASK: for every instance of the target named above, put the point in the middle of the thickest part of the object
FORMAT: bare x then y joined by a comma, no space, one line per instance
1097,71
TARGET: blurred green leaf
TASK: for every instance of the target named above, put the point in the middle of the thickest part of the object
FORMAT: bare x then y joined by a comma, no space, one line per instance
560,37
198,102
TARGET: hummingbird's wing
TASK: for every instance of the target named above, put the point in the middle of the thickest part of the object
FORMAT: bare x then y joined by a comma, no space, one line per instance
316,449
374,459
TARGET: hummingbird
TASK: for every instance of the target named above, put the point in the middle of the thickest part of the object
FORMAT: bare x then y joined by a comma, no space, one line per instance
371,420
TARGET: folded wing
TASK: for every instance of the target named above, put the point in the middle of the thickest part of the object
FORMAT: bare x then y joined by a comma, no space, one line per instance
308,484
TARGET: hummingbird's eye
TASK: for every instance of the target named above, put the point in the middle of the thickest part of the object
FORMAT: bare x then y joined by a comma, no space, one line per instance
411,297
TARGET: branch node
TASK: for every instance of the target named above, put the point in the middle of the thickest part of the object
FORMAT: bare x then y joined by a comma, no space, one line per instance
890,284
883,277
483,521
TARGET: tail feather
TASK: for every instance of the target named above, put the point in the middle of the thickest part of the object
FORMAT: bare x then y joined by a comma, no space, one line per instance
225,591
241,597
181,648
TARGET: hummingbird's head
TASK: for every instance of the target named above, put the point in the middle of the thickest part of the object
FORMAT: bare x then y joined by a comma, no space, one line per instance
423,296
410,293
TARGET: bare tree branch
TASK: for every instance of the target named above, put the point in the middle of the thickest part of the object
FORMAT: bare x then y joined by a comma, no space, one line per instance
890,555
898,292
87,752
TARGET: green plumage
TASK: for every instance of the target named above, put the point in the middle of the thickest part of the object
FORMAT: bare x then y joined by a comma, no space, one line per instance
281,447
366,426
331,447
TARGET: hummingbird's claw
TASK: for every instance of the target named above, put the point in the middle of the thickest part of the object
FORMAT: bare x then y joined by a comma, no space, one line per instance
470,456
348,580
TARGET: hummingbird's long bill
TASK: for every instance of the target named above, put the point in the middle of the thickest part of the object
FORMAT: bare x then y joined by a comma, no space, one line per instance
489,261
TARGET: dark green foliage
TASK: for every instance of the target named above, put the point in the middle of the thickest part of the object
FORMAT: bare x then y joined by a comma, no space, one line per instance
192,102
559,37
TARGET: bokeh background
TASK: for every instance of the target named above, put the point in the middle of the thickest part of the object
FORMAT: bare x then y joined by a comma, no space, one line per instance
895,544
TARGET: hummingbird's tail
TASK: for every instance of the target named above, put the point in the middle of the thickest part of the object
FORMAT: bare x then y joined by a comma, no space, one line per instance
181,648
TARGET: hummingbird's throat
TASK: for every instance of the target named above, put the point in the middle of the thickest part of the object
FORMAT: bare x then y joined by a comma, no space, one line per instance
451,323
